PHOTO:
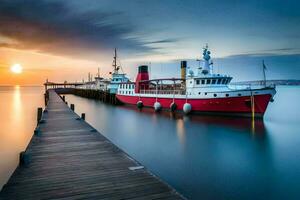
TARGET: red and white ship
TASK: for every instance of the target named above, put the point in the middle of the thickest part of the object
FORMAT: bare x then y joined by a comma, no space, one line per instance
205,92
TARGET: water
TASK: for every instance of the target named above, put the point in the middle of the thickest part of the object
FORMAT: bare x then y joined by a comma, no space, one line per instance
18,113
203,157
207,157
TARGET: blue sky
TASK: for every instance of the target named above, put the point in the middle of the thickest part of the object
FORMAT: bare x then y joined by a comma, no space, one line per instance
239,33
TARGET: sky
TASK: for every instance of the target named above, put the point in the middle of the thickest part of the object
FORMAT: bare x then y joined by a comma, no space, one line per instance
66,39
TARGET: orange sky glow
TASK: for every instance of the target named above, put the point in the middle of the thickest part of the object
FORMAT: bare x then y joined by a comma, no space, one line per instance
37,67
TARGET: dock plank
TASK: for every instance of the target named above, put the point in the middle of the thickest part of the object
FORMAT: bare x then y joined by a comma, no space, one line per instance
70,160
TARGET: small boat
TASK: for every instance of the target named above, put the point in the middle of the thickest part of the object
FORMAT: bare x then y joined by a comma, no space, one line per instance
204,92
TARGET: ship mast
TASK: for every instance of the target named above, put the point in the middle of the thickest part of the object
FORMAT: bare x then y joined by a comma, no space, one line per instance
115,62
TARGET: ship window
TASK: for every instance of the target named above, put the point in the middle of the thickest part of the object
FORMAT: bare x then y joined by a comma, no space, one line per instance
202,82
239,94
199,93
197,82
215,95
213,81
208,81
205,93
227,95
219,81
223,81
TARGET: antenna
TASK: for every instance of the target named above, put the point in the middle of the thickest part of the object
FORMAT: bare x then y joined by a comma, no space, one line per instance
264,72
115,62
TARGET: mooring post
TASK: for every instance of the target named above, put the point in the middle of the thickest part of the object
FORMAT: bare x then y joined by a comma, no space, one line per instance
72,107
45,98
83,116
39,114
64,98
24,158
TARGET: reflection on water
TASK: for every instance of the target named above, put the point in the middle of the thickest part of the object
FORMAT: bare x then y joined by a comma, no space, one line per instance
210,157
180,130
17,105
17,121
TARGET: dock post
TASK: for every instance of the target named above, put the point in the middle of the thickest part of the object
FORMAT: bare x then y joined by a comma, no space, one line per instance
45,99
39,114
72,107
83,116
24,158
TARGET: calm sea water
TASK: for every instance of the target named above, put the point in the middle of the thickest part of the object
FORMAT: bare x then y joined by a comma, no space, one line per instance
203,157
18,113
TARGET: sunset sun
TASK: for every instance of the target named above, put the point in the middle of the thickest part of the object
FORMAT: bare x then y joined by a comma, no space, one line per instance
16,69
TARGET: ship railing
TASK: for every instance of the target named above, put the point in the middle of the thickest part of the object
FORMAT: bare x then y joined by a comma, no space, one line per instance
170,92
247,86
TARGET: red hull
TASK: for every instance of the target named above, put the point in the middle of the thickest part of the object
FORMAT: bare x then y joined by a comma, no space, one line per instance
229,105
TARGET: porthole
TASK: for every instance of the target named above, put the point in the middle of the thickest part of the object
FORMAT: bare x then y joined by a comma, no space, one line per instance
205,93
239,94
199,93
227,95
215,95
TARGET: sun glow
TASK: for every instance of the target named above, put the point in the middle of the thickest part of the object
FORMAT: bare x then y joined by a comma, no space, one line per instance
16,68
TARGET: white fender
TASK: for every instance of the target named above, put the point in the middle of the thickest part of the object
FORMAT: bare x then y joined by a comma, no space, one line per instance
187,108
157,106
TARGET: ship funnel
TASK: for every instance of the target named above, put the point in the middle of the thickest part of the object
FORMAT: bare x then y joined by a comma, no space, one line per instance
183,69
142,78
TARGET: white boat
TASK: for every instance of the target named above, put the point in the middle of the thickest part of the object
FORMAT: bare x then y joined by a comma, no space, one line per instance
117,78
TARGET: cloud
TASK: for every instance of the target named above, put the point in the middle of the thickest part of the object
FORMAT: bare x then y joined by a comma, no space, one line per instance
271,52
53,27
163,41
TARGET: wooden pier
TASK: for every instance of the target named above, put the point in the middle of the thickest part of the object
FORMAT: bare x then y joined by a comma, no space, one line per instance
68,159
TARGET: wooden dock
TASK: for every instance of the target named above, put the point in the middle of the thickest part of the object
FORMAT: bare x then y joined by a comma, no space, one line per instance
68,159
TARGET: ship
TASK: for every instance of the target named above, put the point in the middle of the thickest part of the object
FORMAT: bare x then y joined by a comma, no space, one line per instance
116,77
205,92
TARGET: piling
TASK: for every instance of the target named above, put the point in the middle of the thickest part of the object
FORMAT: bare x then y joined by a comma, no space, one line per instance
72,107
24,158
39,114
83,116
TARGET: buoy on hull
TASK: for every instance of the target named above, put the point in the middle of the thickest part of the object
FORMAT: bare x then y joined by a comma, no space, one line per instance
139,104
173,107
157,106
187,108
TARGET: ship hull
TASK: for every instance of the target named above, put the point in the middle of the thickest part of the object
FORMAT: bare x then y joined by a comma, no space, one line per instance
226,106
